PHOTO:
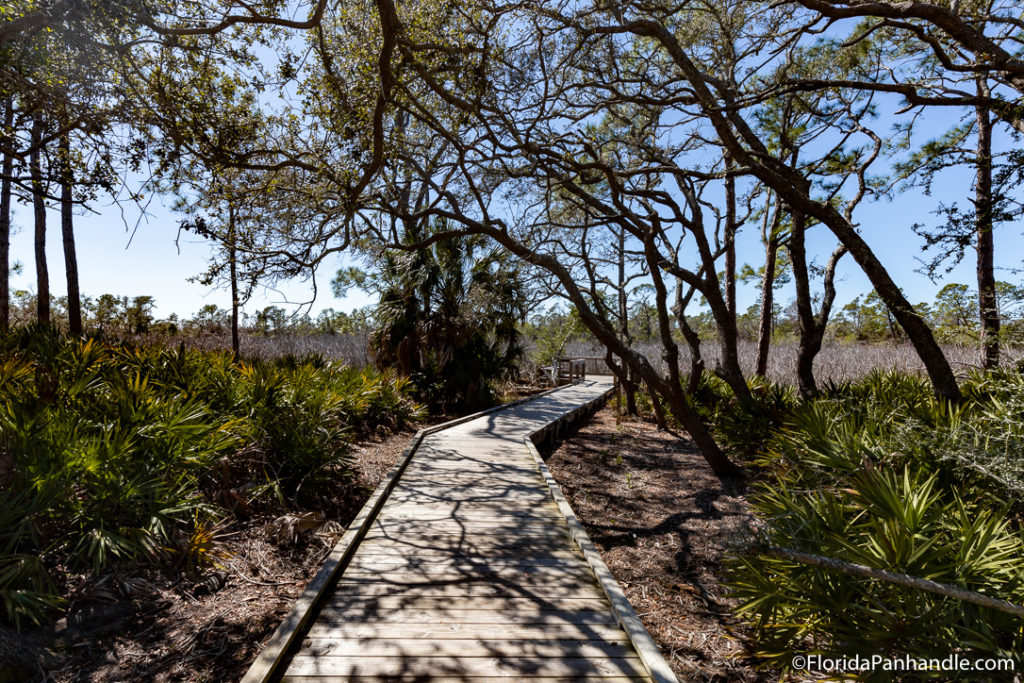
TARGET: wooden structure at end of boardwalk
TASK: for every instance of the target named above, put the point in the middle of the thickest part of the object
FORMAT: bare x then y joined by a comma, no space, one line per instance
468,564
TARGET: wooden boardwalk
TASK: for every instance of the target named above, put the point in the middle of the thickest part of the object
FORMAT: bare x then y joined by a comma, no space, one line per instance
469,566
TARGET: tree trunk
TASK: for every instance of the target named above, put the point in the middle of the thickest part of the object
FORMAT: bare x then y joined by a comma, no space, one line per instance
627,387
765,324
730,237
628,379
67,230
691,337
39,206
696,358
659,411
729,369
618,371
5,223
764,328
795,190
233,265
983,200
812,327
807,349
628,383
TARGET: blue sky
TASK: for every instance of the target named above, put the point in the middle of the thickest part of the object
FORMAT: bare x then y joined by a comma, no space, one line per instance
113,260
152,264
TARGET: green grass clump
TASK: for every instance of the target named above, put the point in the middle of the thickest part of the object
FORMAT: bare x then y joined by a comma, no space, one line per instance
881,473
116,452
742,430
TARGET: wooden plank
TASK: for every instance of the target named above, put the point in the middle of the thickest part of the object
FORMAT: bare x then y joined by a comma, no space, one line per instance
369,632
476,647
465,548
511,461
576,617
454,579
495,536
502,465
476,472
469,514
446,457
525,530
483,480
499,604
458,488
468,546
414,678
394,562
521,575
493,667
522,522
509,508
470,519
476,483
500,557
450,485
472,589
469,497
478,476
447,454
344,614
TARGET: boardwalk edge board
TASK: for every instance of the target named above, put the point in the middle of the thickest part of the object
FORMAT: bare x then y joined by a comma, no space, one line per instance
650,655
276,649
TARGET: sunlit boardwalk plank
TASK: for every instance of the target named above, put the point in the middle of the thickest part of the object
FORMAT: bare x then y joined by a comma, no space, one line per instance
469,570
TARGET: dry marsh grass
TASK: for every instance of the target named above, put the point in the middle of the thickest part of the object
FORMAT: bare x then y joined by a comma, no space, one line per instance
352,349
837,361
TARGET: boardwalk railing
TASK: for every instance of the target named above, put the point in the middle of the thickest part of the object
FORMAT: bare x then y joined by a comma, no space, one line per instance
569,370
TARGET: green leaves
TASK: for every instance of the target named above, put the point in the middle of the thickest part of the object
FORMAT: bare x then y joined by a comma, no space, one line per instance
448,316
26,589
874,474
112,453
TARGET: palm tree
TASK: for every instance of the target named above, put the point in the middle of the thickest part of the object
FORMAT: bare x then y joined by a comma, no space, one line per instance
448,317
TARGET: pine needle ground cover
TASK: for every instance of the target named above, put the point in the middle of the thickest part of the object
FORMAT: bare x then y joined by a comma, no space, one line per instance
115,454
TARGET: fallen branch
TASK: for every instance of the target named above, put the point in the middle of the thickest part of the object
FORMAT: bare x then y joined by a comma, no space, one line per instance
896,578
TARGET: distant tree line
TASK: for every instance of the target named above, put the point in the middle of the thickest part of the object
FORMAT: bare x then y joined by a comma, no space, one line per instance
120,316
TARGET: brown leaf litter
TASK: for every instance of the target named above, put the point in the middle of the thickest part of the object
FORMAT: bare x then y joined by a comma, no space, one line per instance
662,522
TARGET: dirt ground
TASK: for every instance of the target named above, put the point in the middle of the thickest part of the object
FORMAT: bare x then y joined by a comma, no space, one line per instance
662,521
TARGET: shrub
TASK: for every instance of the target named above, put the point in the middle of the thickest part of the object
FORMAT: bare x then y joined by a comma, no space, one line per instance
117,452
740,430
880,473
